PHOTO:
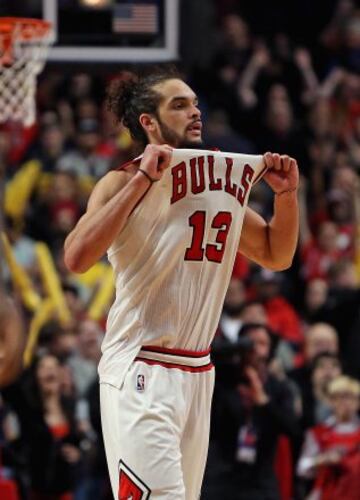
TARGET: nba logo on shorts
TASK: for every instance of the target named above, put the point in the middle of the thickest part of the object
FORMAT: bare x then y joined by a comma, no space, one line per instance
140,383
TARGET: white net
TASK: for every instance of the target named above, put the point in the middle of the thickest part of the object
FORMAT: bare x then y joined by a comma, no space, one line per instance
23,51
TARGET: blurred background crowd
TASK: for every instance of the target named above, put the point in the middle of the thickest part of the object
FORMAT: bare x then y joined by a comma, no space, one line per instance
271,76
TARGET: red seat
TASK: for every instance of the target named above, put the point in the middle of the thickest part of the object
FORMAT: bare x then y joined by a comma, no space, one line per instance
284,468
8,490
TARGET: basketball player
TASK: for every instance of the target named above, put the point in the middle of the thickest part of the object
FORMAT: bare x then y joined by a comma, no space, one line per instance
170,222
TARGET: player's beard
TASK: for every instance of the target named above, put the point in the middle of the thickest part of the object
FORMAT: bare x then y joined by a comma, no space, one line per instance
174,139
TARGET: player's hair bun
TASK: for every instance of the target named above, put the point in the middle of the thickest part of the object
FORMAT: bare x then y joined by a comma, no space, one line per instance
120,94
133,94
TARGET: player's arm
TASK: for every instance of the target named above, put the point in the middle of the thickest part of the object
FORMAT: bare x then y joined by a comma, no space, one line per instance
110,204
272,244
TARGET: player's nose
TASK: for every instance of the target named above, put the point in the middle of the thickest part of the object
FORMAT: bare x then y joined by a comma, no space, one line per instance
195,112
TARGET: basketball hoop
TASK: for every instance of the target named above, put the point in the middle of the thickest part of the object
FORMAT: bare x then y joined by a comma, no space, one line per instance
23,48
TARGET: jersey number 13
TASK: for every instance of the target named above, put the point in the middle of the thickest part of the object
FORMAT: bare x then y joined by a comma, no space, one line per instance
213,252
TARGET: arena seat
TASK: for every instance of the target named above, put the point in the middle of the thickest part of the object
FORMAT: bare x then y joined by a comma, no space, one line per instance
8,490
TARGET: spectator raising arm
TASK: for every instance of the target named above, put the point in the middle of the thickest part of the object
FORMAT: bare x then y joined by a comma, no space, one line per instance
248,79
302,59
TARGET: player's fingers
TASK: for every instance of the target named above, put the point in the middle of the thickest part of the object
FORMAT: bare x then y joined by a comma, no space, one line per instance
151,152
164,148
285,162
268,159
165,153
293,163
277,161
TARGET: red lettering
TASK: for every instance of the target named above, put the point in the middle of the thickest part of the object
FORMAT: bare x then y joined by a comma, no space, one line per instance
222,222
198,182
229,188
128,489
197,222
213,185
247,176
197,175
179,184
213,252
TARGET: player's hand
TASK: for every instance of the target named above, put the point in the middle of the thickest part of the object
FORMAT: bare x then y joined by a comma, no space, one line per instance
155,160
282,174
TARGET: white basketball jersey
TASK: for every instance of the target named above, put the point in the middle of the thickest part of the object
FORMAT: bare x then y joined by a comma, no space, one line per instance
173,260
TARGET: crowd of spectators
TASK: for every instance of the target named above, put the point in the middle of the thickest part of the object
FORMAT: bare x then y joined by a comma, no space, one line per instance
286,405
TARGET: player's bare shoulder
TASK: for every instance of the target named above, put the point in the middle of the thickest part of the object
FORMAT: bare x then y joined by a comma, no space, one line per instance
106,188
109,185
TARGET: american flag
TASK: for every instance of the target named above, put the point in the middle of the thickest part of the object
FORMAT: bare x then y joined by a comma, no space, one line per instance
135,18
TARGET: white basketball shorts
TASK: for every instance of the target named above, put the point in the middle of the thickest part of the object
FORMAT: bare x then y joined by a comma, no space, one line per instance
156,426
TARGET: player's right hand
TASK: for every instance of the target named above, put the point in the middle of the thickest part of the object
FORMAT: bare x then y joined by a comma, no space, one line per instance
155,160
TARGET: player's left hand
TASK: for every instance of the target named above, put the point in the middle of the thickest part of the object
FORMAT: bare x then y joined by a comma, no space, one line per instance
282,174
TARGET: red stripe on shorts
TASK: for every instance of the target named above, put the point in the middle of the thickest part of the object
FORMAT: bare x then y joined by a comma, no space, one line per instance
184,368
176,352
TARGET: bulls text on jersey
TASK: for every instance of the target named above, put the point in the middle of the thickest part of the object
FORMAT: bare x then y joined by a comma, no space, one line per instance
192,175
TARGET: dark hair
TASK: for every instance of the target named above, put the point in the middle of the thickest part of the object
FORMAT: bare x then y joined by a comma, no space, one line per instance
338,267
250,303
69,287
246,328
324,355
32,391
133,94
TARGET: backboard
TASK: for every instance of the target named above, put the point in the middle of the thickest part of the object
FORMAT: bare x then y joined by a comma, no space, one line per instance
105,31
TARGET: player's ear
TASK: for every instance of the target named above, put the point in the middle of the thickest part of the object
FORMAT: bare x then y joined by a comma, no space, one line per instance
148,122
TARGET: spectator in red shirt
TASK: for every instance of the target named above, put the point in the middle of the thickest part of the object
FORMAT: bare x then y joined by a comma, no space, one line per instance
282,317
318,253
331,453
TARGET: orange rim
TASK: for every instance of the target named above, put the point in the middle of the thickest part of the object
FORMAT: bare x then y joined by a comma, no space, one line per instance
23,28
20,29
